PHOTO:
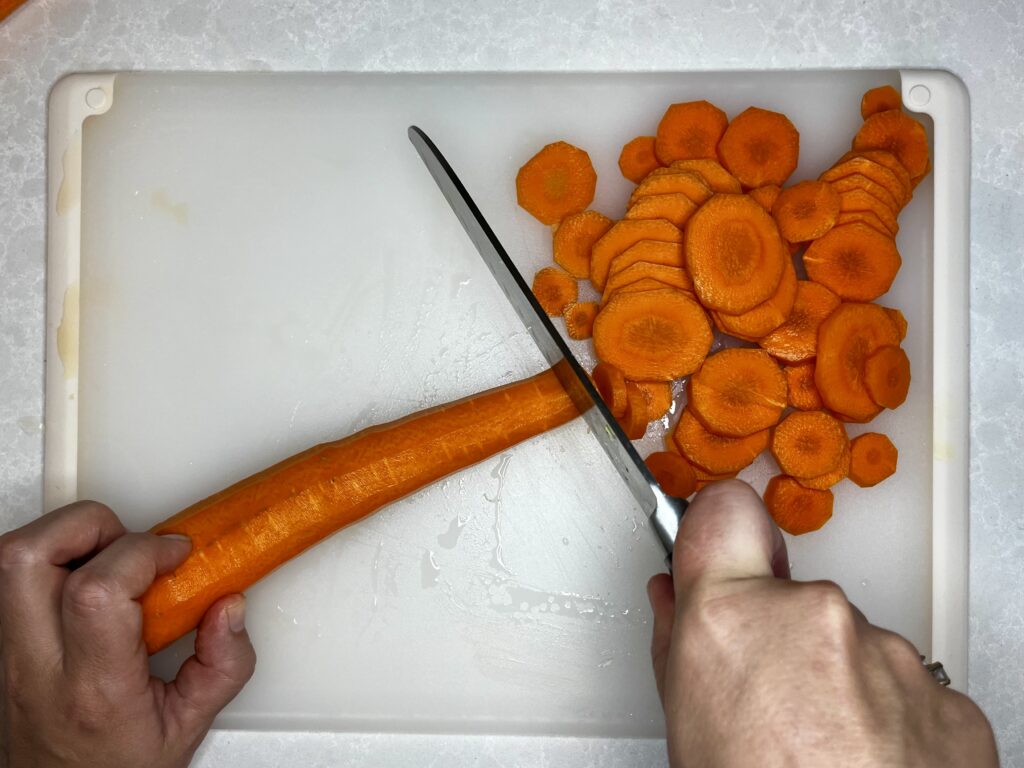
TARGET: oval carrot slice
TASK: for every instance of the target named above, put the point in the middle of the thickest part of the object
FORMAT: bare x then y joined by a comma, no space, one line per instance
873,458
651,252
657,395
797,338
806,211
898,320
716,177
579,319
554,288
864,217
734,253
760,147
611,385
887,376
853,261
677,208
898,133
621,236
795,509
670,277
873,188
653,335
802,392
738,392
574,239
860,200
880,99
851,334
637,158
766,316
673,473
859,163
808,443
636,418
557,181
674,181
714,453
827,480
690,130
766,195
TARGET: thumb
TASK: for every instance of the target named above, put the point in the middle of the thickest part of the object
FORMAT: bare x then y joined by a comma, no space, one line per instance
727,534
663,604
223,663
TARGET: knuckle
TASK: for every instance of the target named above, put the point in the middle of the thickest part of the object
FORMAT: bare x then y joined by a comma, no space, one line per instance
88,591
901,651
832,610
15,551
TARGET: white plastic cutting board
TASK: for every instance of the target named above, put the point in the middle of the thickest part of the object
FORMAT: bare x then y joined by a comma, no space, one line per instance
265,264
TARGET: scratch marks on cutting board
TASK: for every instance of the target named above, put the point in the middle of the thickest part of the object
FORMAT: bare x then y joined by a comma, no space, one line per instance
162,202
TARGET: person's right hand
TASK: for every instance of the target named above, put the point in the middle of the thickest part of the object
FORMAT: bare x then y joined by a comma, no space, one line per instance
757,670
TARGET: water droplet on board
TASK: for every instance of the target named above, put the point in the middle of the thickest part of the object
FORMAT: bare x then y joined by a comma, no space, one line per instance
565,541
429,569
498,473
864,583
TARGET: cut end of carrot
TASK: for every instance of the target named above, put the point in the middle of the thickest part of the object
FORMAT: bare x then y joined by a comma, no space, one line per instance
873,458
854,261
887,376
738,392
574,239
579,319
690,130
806,211
673,473
556,182
795,509
554,289
760,147
637,158
880,99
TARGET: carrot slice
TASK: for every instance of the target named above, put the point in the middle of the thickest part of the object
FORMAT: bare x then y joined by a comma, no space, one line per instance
738,392
873,458
874,169
864,217
760,147
635,420
797,338
651,252
808,443
579,319
611,385
795,509
690,130
677,208
889,161
734,253
827,480
887,376
880,99
898,133
806,211
860,200
574,239
623,235
557,181
898,320
671,277
715,453
637,158
854,261
802,391
657,395
674,181
673,473
873,188
847,338
639,286
554,288
719,179
766,316
705,478
766,195
654,335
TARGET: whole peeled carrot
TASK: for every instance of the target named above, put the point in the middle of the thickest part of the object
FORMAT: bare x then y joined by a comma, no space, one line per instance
7,7
244,532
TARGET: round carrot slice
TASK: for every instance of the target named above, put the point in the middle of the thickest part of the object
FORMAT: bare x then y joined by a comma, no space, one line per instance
864,217
673,473
827,480
554,289
874,169
636,418
795,509
854,261
714,453
797,338
766,316
574,239
650,252
738,392
880,99
846,339
766,195
734,253
653,335
690,130
860,200
676,207
898,133
887,376
674,181
611,385
719,179
639,286
670,277
637,158
873,188
889,161
873,458
621,236
557,181
657,395
802,392
806,211
760,147
808,443
579,319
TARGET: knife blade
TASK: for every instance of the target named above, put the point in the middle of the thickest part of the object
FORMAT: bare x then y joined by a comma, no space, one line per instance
664,511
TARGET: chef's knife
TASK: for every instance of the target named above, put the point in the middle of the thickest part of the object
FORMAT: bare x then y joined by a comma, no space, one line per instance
663,510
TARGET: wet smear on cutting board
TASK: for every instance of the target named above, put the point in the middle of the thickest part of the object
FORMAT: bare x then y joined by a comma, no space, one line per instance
429,569
498,473
177,211
69,195
67,333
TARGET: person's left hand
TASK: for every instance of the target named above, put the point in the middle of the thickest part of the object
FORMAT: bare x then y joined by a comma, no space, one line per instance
75,688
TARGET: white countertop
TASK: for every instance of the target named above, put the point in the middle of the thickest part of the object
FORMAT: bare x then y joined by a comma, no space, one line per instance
982,43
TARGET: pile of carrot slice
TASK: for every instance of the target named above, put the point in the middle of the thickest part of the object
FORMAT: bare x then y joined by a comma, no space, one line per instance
715,241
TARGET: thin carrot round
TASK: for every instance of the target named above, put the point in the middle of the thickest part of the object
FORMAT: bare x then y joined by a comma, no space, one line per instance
876,165
690,130
862,200
760,147
873,188
657,395
808,443
611,385
639,286
854,262
554,288
670,277
636,418
766,195
795,509
873,458
674,181
806,211
898,320
650,252
738,392
714,453
556,182
797,338
734,253
676,207
716,176
880,99
864,217
829,479
579,319
766,316
887,376
802,392
623,235
574,239
890,162
637,158
673,473
898,133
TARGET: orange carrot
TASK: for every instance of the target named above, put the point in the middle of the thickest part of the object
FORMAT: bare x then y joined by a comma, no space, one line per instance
872,459
887,376
672,277
760,147
638,286
827,480
673,181
795,509
716,177
864,217
657,395
890,162
677,208
623,235
846,339
808,443
878,167
244,532
556,182
635,420
554,289
714,453
898,133
766,316
690,131
854,261
738,392
797,338
673,473
611,385
637,158
734,253
806,211
880,99
766,195
654,335
860,181
651,252
579,319
861,200
803,394
898,320
574,239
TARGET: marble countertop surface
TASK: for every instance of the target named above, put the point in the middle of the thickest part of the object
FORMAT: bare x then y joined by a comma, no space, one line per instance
981,42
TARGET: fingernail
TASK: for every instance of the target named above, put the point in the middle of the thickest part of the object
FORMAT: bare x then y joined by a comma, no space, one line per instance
176,537
236,615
